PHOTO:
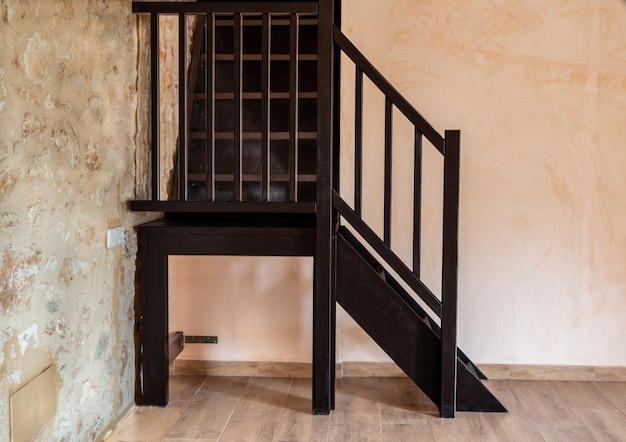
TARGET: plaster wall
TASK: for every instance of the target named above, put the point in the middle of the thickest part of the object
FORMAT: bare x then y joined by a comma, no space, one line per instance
72,143
538,90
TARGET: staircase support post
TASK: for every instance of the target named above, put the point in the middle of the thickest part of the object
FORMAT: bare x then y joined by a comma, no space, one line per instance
449,283
323,296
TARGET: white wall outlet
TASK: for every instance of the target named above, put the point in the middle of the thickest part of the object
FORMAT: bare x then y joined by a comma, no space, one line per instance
115,236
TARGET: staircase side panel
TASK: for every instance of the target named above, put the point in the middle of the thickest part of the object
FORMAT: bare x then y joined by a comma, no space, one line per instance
383,314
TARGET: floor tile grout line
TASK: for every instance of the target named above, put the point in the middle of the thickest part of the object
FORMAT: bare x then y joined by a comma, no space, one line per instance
380,421
282,410
230,416
183,409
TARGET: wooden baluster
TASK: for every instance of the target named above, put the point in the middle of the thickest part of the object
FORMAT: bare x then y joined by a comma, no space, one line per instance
293,107
209,87
358,141
417,203
388,161
237,142
265,107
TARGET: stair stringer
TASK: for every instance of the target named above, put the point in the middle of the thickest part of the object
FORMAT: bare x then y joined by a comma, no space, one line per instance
392,318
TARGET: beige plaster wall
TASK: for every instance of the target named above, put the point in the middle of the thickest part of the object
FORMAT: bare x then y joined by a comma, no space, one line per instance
538,90
69,130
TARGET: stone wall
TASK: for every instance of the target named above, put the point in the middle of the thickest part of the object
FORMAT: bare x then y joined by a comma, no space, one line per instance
70,128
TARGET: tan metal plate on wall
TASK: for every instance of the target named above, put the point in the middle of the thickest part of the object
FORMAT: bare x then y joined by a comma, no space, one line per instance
33,405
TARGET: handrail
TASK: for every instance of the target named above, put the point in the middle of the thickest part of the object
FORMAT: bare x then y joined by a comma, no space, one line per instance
446,309
386,88
225,7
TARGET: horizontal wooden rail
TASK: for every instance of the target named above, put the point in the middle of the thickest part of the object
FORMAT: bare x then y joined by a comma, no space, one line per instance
387,254
389,91
225,7
221,207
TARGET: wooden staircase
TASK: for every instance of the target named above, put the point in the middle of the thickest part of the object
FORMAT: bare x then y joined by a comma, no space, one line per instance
257,174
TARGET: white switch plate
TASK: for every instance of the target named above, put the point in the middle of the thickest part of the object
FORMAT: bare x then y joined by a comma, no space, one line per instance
115,236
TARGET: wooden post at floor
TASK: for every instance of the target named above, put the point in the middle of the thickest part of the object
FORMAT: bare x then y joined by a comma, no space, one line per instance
323,299
154,323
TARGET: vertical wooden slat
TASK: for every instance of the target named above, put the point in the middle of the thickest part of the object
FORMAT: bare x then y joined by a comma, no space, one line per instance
155,107
293,107
182,107
265,107
449,281
388,161
417,203
209,87
323,300
335,184
358,141
237,139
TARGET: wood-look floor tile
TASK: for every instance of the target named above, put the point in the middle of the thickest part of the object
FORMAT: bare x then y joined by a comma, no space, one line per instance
407,432
374,409
557,433
363,402
464,427
512,426
609,425
184,387
249,430
298,422
582,395
615,391
146,424
354,427
216,387
401,402
357,411
543,404
204,419
263,399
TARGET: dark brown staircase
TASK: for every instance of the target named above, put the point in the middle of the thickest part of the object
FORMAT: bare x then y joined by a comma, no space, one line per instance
257,174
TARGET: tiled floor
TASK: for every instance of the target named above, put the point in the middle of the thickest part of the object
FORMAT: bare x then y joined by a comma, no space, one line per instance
374,409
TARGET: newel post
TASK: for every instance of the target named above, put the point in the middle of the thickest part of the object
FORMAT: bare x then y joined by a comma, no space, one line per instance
323,296
449,283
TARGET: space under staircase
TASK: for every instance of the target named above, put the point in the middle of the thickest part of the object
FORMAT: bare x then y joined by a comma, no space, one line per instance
253,142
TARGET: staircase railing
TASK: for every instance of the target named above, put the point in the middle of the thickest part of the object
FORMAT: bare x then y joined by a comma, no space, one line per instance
292,189
448,147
